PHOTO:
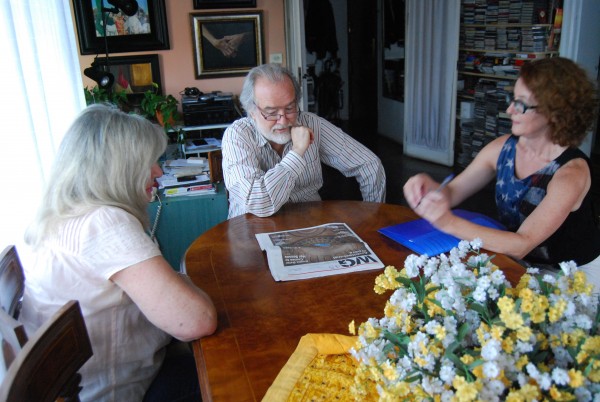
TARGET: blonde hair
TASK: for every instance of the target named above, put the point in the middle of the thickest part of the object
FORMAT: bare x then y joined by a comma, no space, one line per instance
104,159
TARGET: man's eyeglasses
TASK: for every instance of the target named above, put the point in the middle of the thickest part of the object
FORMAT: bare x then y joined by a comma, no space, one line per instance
289,112
520,106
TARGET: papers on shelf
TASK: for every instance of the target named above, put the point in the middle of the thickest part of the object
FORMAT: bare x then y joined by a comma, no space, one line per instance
324,250
423,238
202,145
169,180
191,190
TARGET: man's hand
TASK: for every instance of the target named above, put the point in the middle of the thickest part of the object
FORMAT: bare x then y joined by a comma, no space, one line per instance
302,137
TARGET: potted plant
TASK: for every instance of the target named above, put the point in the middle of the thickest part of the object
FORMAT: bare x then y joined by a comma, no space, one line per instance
101,95
162,108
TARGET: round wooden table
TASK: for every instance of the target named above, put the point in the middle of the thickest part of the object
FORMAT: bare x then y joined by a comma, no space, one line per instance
261,320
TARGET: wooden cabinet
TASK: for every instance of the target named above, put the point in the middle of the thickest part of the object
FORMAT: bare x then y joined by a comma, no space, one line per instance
496,38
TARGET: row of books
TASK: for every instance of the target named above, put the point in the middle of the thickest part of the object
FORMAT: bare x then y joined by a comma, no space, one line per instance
518,39
505,11
488,120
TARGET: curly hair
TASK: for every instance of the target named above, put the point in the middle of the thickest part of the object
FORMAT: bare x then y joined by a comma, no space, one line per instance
565,95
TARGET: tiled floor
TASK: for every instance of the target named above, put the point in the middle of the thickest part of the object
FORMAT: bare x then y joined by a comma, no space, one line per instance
399,168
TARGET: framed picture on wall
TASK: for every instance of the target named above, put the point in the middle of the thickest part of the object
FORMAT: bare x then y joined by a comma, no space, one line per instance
208,4
227,44
145,30
134,74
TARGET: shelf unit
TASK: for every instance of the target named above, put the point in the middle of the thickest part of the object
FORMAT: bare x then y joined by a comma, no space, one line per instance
496,38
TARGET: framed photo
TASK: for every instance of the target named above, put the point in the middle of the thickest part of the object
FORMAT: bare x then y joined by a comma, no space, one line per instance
206,4
227,44
134,74
145,30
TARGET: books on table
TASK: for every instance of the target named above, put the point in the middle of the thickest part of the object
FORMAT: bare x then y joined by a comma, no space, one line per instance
423,238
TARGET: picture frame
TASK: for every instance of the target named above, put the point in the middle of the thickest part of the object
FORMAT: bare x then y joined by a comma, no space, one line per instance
211,4
139,71
227,44
146,30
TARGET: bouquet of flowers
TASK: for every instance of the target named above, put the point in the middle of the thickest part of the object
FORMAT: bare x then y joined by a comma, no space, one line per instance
455,330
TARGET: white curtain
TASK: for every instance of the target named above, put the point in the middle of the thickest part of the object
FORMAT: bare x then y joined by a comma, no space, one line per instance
432,30
42,92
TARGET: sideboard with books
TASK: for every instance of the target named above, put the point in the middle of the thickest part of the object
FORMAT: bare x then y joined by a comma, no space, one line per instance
183,218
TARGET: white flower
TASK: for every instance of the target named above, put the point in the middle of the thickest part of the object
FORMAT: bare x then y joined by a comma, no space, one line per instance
551,279
476,244
447,373
491,350
568,267
490,369
560,376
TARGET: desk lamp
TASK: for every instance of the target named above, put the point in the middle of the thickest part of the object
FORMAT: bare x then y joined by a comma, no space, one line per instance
100,72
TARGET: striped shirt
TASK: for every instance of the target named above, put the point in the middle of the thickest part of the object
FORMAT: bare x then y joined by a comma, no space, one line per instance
260,182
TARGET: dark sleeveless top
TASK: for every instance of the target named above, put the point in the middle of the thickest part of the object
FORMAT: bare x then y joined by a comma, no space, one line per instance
577,239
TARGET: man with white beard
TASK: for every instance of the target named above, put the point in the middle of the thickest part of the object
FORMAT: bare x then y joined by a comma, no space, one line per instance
273,156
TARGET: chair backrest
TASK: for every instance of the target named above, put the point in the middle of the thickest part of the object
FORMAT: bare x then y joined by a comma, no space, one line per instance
12,338
215,162
47,366
12,281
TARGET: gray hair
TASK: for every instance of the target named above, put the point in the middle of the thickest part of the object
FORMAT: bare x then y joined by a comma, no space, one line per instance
274,73
104,159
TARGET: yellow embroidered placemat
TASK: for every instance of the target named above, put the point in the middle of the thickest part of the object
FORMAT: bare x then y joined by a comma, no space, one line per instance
319,369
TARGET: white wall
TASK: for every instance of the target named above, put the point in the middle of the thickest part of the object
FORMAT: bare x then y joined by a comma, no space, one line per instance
580,42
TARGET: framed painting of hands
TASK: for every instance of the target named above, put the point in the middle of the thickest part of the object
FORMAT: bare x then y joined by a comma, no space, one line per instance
227,44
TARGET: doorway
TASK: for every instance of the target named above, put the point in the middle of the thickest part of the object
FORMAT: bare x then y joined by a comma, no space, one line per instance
362,70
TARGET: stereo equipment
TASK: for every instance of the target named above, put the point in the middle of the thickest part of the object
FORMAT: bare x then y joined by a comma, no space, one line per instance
208,108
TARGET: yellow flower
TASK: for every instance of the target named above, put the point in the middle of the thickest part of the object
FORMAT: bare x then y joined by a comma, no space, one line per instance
524,334
351,328
576,378
508,344
555,312
527,297
527,393
368,330
522,362
465,391
387,280
580,284
557,395
467,359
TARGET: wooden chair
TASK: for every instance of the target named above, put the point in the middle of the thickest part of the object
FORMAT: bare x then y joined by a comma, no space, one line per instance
12,338
215,164
12,281
47,366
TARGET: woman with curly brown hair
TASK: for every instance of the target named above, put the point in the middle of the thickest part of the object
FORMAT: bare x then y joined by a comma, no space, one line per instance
542,179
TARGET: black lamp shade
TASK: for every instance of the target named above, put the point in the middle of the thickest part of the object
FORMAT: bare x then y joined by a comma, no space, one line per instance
104,79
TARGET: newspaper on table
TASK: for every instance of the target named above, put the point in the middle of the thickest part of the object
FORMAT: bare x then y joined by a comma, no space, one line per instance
323,250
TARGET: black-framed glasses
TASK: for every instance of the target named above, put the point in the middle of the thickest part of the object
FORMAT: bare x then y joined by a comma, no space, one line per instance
289,112
520,106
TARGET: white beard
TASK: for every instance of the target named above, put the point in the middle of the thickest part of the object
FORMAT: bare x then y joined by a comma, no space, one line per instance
278,138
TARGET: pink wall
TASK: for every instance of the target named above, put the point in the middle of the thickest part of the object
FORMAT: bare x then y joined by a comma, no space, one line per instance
177,63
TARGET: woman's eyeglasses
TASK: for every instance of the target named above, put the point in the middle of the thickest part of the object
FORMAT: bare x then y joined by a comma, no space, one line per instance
520,106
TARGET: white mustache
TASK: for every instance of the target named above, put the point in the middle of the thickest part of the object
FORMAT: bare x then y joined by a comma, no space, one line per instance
281,127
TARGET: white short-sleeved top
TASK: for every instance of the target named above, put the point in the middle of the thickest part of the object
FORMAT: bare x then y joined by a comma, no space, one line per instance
75,264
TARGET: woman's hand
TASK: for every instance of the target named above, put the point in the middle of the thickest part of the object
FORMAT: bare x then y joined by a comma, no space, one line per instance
417,187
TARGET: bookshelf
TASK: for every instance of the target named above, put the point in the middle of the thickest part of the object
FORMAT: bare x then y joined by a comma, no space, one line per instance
496,38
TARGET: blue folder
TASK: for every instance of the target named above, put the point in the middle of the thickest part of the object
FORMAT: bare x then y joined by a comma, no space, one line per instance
423,238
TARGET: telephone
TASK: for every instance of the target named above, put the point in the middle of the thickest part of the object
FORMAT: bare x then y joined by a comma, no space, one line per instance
192,91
